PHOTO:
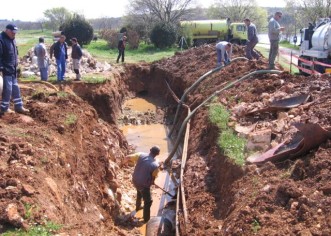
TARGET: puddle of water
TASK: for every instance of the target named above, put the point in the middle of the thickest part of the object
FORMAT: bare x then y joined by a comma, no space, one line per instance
140,105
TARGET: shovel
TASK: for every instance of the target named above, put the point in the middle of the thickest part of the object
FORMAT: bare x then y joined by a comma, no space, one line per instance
165,191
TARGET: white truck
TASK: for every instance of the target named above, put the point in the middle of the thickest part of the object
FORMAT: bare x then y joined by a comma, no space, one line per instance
315,48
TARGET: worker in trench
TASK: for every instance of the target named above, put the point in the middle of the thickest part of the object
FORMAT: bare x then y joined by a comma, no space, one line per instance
144,174
224,52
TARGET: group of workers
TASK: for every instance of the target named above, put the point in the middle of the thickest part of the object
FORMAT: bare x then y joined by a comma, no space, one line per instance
9,65
60,51
224,48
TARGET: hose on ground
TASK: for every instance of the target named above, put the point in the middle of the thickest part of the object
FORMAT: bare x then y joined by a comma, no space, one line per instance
194,86
207,100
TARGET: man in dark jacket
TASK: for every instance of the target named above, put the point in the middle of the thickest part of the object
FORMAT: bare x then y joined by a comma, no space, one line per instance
8,67
252,40
60,49
121,48
76,55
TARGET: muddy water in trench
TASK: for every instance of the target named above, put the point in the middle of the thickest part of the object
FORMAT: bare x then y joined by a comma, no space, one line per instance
143,137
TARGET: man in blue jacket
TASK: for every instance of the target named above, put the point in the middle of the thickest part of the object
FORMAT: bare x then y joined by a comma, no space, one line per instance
60,49
252,40
8,67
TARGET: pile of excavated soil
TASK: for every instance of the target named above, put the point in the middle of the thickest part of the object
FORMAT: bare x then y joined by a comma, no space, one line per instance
60,163
288,197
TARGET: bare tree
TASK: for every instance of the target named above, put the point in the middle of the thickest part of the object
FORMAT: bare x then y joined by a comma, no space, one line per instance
238,10
310,10
166,11
56,17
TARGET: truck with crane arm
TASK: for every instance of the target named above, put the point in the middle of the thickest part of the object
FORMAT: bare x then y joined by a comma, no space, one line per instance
315,48
209,31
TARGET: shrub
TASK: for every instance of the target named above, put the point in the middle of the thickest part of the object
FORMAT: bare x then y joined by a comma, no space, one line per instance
79,28
132,39
163,35
111,36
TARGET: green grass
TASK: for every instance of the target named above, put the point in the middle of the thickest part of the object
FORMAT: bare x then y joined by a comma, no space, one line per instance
41,230
287,44
282,61
147,53
255,226
228,141
27,39
70,119
95,79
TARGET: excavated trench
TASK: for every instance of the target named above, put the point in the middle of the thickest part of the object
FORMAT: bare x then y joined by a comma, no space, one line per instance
62,163
143,107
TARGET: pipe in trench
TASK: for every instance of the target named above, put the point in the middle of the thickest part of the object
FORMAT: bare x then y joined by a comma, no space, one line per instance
193,86
166,162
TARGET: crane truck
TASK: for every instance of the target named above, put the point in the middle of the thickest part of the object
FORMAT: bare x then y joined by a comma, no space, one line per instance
210,31
315,48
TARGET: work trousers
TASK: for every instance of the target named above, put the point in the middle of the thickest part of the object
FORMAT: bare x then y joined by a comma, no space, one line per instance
274,45
120,54
76,65
144,194
10,89
44,73
219,57
250,53
61,68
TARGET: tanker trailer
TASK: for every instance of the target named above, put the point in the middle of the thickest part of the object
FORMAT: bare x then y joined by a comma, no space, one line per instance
210,31
315,48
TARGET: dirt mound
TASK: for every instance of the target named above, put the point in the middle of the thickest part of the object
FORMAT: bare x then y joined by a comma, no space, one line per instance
59,164
291,197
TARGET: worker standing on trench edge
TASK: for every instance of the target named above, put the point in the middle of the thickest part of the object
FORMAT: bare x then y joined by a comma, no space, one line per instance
224,52
274,31
252,40
143,177
8,67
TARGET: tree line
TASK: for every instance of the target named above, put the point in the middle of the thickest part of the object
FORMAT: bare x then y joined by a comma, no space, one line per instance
152,20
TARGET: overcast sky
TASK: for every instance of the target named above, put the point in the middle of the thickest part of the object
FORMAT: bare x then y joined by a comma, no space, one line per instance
32,10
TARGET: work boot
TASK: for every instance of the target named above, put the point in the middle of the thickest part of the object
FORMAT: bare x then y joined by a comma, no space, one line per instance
22,110
8,111
77,77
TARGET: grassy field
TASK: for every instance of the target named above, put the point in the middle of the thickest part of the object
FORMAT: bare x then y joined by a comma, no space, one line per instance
147,53
281,60
27,39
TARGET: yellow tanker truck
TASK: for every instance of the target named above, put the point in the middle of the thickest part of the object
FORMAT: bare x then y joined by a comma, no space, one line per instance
209,31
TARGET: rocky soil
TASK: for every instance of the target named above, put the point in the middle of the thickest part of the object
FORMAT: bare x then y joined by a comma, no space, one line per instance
289,197
61,163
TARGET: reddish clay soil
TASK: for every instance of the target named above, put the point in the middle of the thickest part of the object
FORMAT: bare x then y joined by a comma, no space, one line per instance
291,197
61,163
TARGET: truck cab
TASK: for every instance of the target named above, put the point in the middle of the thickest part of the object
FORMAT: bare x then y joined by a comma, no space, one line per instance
238,33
